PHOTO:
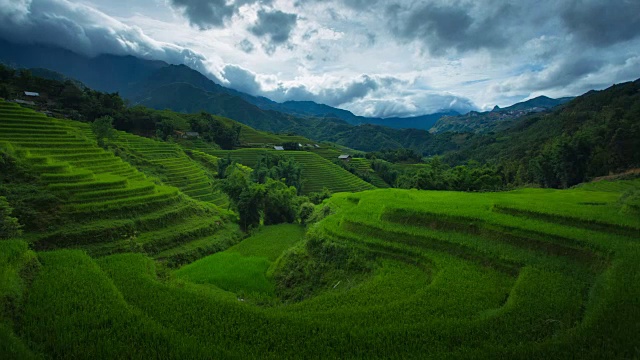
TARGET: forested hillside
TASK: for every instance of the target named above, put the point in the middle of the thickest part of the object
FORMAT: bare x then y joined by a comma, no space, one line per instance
595,134
496,119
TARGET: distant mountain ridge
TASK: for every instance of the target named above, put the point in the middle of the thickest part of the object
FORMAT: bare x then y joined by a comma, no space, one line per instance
159,85
541,102
496,119
137,79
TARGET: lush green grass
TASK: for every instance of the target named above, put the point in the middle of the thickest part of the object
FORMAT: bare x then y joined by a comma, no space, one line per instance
17,264
243,267
454,277
87,317
270,241
230,271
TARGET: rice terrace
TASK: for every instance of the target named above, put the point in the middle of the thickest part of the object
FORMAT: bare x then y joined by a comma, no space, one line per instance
153,208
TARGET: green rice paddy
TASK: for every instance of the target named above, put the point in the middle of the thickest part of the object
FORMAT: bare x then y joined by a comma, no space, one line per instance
531,273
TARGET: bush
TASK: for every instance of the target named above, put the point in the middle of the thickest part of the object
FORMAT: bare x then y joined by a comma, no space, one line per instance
103,129
306,271
306,210
9,226
318,197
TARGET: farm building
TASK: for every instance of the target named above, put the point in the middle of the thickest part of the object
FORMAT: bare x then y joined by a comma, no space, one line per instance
345,158
31,94
279,148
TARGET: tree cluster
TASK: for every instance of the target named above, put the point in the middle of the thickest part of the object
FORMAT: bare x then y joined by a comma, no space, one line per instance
271,166
437,175
271,202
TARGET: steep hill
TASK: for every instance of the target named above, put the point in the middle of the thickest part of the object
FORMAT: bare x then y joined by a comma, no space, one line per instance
593,135
105,204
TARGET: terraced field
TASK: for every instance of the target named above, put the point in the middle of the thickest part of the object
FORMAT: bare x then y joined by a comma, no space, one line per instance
175,167
361,164
458,275
169,163
317,172
109,206
364,165
327,153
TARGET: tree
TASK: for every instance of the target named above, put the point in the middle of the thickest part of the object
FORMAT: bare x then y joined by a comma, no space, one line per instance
9,226
71,96
319,197
278,168
6,73
306,210
5,91
279,203
250,204
290,171
385,171
103,129
223,165
237,180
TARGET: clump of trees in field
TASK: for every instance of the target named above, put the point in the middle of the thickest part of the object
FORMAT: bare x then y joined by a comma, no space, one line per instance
267,194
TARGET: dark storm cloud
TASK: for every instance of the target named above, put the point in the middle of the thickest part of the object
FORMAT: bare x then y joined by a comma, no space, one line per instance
444,27
207,14
603,23
276,26
566,72
561,74
246,46
85,31
360,4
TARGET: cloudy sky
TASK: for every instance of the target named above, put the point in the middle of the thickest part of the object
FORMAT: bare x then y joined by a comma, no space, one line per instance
373,57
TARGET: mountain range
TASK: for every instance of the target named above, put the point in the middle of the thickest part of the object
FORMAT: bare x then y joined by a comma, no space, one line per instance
496,119
160,85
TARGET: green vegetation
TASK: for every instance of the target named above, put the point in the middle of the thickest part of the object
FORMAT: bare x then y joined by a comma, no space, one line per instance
69,192
243,268
594,135
132,248
317,173
231,272
103,129
9,226
394,273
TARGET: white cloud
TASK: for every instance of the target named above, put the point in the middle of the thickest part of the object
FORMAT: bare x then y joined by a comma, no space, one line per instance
344,52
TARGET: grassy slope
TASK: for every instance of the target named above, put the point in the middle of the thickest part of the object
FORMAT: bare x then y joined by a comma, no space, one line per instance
317,172
93,320
457,277
243,267
108,203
